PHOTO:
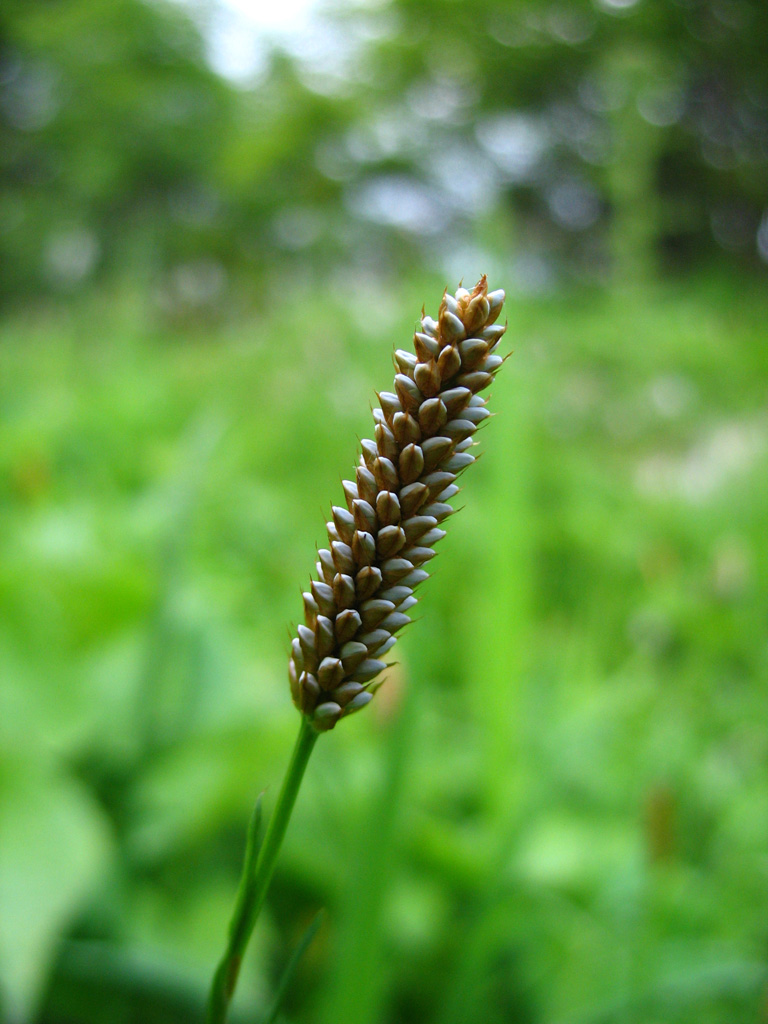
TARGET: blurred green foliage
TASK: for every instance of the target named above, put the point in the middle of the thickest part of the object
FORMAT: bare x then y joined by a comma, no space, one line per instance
555,809
599,138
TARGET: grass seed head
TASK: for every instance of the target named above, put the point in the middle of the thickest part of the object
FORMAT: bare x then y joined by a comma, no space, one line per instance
379,542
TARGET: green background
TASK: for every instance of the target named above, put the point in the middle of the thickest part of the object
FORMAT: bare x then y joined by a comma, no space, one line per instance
556,809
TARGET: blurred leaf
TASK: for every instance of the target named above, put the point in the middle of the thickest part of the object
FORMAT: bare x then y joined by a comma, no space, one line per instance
54,845
290,968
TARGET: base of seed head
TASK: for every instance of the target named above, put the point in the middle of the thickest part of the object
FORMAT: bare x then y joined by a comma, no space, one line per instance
381,540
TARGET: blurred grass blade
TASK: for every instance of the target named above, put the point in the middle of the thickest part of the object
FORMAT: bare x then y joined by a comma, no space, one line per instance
258,869
252,845
161,717
292,965
360,927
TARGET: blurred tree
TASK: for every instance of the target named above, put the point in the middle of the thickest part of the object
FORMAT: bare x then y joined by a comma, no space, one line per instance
111,125
597,135
644,124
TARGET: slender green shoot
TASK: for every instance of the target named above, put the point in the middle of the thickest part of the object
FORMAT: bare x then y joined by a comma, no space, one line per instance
258,869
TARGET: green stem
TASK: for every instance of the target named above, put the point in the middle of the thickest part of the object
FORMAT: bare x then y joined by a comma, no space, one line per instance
255,881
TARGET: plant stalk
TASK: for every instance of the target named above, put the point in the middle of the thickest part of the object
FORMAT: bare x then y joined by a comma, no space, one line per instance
255,880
